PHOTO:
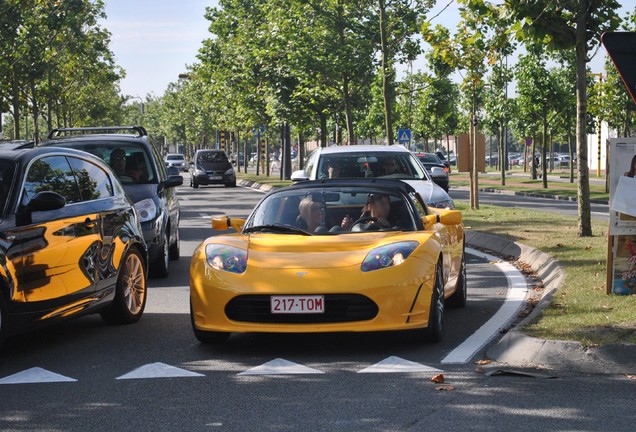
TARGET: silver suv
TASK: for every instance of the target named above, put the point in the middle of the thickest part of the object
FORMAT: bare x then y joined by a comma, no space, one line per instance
371,161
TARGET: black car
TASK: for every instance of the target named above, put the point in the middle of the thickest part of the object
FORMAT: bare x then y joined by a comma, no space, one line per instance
142,172
70,241
211,167
436,168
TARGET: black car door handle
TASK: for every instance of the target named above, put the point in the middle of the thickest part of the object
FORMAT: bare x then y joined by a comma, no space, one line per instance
89,224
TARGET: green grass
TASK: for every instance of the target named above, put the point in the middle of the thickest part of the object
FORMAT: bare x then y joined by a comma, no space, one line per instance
581,310
273,180
523,183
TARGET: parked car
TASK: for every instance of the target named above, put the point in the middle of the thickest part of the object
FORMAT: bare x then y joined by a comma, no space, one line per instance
367,161
442,157
437,170
211,167
176,160
71,242
292,266
142,172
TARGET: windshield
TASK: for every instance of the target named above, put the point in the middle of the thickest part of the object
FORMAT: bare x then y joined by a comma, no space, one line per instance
332,210
175,157
400,165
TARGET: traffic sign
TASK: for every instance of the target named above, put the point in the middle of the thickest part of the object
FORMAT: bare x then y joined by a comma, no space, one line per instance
404,136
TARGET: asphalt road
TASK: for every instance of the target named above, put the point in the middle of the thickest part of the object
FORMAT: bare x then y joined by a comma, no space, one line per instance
155,376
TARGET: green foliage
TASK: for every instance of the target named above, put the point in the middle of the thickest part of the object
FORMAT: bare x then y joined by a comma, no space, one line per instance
55,64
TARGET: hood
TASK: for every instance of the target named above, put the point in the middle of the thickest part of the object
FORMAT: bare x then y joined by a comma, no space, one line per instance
283,251
430,191
138,192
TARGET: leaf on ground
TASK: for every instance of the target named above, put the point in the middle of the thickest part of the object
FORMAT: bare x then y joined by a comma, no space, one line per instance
483,362
438,379
445,388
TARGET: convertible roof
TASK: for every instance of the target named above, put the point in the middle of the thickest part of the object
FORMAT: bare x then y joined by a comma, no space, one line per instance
394,185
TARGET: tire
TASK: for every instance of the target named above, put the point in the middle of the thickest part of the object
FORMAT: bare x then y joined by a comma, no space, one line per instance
458,299
208,337
435,328
175,248
160,266
195,185
130,292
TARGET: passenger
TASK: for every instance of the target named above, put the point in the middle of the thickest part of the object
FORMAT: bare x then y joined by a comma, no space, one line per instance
390,166
378,207
334,169
117,161
309,213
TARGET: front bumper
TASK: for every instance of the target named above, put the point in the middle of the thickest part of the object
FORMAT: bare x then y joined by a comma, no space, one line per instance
389,299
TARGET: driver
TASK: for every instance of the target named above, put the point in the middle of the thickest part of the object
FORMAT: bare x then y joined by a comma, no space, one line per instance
377,207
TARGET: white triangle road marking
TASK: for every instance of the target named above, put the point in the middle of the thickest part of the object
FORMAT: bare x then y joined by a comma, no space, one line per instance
280,367
158,370
35,375
395,364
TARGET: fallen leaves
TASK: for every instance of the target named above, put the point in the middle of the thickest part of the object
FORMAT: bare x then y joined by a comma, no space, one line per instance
439,379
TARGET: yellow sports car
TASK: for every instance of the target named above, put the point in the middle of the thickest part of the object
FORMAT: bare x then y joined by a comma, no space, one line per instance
330,256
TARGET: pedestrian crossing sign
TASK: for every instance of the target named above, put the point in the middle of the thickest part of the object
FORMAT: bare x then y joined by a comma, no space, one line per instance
404,136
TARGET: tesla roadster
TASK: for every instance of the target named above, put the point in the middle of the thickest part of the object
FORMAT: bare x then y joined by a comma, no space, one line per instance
318,257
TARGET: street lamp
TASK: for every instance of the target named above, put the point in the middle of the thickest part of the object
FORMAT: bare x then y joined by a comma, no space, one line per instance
141,103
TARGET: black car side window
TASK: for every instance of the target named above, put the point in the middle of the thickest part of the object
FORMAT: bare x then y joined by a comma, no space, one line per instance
93,181
51,173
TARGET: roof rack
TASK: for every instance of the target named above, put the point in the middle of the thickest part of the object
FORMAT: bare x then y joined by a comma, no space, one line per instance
56,133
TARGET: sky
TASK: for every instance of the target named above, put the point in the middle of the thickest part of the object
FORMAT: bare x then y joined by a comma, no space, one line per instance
155,40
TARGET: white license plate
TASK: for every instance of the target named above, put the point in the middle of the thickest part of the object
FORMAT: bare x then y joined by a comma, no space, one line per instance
215,177
297,304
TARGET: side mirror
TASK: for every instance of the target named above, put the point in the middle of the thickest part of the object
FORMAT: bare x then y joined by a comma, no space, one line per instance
446,217
46,200
223,223
299,175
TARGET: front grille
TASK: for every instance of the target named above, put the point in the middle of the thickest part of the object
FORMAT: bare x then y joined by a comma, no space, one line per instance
338,308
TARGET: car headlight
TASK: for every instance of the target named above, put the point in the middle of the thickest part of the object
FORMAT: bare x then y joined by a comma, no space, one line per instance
199,172
230,171
388,255
147,209
227,258
445,204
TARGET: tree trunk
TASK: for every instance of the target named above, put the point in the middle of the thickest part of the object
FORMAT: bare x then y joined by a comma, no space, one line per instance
387,74
545,149
502,151
15,103
584,211
323,130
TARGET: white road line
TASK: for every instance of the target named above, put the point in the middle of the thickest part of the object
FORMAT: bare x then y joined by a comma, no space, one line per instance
517,290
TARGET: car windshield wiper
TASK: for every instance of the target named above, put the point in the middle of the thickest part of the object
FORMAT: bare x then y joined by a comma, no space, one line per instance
279,228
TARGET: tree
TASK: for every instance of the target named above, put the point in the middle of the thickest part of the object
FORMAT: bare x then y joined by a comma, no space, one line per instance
568,24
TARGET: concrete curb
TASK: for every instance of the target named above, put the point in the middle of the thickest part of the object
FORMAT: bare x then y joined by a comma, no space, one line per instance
520,350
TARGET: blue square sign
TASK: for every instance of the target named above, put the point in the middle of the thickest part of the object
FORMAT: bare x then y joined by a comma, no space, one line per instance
404,136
